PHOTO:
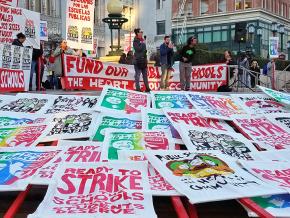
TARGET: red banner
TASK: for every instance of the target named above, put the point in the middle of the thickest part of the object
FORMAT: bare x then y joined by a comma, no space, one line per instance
11,80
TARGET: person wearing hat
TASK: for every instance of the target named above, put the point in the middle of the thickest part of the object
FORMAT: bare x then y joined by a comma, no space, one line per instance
187,54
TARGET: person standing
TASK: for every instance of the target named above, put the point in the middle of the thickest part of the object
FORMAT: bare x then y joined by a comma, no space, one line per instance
166,61
19,40
35,67
244,66
185,66
140,60
129,58
255,74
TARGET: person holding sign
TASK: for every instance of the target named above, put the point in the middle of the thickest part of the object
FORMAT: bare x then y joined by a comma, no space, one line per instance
140,60
20,40
166,60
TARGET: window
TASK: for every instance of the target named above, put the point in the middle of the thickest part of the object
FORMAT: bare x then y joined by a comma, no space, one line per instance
248,4
238,5
224,36
207,37
157,4
204,5
160,27
188,6
216,37
222,6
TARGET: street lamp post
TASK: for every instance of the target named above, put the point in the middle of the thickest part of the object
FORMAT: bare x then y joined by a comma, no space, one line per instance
282,32
288,48
274,28
251,31
259,34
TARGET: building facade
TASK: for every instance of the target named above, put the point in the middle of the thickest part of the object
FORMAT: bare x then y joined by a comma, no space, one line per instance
213,21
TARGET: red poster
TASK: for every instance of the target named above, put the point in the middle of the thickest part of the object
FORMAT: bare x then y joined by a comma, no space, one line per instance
11,80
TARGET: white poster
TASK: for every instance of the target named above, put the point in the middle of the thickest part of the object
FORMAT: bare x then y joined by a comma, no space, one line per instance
274,155
172,99
18,20
273,47
102,190
43,31
207,177
12,3
282,120
80,24
279,96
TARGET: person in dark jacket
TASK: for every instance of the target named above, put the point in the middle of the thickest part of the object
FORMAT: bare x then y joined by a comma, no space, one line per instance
185,66
140,60
20,39
255,74
36,56
122,59
166,61
129,58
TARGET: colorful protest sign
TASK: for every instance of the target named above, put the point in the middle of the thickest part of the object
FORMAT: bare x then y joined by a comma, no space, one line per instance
28,103
84,73
215,106
116,121
273,47
72,126
16,20
274,173
128,140
155,119
191,117
15,66
80,24
71,152
123,100
20,119
229,143
43,31
282,120
18,166
72,103
277,205
279,96
159,186
22,136
12,3
104,189
207,177
268,135
164,99
259,104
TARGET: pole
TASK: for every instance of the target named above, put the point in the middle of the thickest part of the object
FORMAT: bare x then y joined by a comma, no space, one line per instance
282,42
119,39
111,39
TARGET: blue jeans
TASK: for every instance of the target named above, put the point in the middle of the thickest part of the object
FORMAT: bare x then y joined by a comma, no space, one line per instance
32,71
138,72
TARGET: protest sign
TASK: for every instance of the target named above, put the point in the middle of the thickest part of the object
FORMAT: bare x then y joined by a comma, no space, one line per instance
71,152
103,189
72,126
116,140
274,173
15,66
5,99
43,30
28,103
164,99
71,103
16,20
274,155
18,165
259,104
207,177
89,74
282,120
268,135
80,24
23,136
273,47
115,121
12,3
279,96
191,117
159,186
123,100
229,143
20,119
155,119
215,106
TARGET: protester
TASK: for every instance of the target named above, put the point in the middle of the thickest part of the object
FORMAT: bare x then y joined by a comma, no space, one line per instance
166,61
50,67
255,74
19,40
185,66
232,69
140,60
122,59
244,66
35,69
129,58
271,66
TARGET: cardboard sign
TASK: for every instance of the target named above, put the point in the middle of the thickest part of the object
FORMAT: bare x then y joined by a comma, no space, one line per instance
72,126
80,24
18,166
163,99
155,119
72,103
16,20
268,135
89,74
128,140
207,177
70,152
20,119
279,96
115,121
229,143
122,100
103,189
259,104
215,106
